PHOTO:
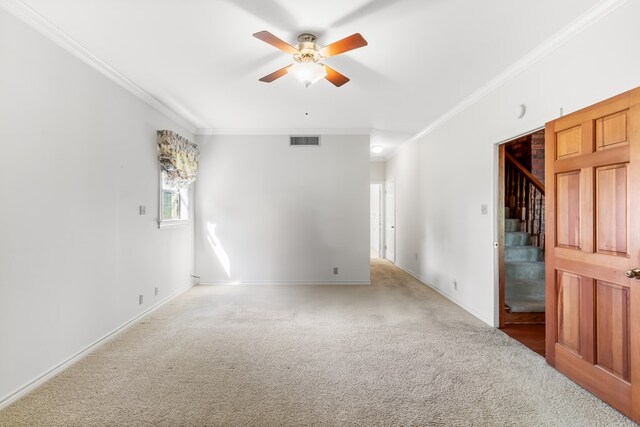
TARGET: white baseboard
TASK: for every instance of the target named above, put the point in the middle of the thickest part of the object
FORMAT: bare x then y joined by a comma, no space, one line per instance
35,383
444,294
298,282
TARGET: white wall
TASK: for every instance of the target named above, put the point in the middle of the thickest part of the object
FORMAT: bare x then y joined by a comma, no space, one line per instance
443,178
281,213
375,218
377,171
78,157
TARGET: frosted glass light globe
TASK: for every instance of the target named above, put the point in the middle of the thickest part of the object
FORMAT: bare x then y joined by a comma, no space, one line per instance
307,72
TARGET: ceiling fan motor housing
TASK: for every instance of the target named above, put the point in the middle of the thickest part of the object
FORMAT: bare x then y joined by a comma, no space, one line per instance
308,49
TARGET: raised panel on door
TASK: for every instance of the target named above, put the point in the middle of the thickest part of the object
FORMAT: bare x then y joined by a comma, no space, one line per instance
568,142
568,300
611,130
568,209
612,210
612,329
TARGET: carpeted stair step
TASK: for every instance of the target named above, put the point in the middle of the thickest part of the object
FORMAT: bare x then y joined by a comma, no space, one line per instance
525,288
524,270
516,238
524,295
524,265
525,305
511,224
522,253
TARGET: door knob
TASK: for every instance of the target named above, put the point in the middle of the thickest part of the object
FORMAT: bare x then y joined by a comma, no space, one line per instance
633,274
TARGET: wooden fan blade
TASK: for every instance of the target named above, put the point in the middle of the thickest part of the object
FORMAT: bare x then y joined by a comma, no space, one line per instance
275,75
267,37
354,41
335,77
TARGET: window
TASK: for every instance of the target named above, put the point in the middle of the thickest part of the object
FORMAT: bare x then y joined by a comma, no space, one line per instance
178,170
174,204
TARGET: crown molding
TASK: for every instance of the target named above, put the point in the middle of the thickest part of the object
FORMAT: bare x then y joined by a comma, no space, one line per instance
283,131
36,21
570,31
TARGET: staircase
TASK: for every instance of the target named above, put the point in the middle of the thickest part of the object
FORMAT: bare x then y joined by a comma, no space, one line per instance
523,244
524,269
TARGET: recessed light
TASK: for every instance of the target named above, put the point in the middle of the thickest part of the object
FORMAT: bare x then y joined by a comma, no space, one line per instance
377,149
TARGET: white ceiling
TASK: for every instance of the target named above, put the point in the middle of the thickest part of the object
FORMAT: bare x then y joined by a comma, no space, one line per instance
198,57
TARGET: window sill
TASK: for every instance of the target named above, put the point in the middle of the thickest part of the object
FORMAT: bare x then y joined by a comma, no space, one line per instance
168,223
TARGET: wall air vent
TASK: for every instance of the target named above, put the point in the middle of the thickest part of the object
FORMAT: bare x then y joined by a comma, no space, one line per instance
304,140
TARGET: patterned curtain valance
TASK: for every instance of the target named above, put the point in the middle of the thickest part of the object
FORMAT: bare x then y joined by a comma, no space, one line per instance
178,158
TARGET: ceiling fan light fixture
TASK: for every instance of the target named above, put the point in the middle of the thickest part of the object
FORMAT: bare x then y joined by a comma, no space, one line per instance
307,72
307,56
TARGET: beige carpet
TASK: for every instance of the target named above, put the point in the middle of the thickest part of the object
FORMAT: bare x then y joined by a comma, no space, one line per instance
394,353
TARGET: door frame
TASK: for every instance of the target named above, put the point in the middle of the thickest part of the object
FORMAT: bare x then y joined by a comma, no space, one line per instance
499,286
500,209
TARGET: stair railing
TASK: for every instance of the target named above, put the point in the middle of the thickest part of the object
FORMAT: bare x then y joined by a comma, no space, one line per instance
524,196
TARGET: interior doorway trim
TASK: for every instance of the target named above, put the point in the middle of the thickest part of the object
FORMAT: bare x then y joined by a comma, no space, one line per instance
499,284
501,221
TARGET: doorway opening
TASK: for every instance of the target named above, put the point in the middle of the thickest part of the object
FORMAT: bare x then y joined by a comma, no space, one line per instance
522,239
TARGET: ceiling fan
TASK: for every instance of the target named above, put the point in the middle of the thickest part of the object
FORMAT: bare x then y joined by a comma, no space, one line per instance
307,56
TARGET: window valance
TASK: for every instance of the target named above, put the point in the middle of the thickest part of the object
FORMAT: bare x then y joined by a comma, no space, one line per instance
178,158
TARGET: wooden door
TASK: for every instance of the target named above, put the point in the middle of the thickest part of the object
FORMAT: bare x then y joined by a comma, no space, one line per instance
593,229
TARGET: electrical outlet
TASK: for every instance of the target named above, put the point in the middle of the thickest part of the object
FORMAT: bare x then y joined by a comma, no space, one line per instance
142,210
140,299
335,271
484,209
157,290
455,285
